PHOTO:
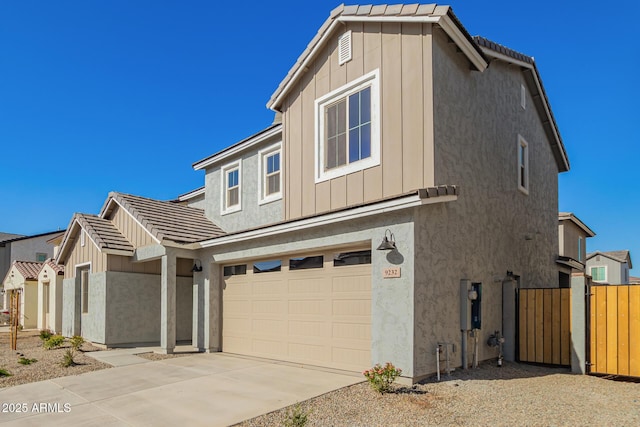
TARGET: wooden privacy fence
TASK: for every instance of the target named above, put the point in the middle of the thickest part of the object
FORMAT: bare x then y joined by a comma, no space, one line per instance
544,326
615,330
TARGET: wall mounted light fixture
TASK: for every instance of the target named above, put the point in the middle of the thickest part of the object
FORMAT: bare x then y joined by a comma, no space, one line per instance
197,266
388,241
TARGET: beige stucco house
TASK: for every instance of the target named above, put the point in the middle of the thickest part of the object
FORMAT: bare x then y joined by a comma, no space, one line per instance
22,278
50,296
409,164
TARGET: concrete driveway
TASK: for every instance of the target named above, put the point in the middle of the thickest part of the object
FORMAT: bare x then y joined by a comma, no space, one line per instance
202,389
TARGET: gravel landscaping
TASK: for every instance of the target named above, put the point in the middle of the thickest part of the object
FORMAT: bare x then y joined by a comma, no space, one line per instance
48,364
514,395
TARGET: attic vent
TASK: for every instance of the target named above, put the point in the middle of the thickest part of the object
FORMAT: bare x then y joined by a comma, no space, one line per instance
344,48
523,97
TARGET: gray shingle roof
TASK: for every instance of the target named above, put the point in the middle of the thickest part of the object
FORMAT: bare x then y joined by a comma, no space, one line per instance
620,256
167,220
9,236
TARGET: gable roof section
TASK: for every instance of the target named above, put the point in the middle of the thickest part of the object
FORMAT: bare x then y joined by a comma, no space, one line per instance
539,95
28,269
429,13
568,216
6,237
620,256
101,232
57,268
165,221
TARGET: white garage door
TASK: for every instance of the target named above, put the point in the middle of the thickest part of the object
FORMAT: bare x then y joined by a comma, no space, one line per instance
313,310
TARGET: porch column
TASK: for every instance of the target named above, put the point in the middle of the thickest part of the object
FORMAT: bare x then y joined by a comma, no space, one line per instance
168,303
212,312
200,281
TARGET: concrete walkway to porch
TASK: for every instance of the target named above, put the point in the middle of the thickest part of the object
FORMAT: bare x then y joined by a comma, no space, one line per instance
127,356
204,389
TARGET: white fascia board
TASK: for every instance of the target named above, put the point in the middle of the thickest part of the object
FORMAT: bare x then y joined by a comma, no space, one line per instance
461,41
186,246
118,252
237,149
303,67
191,194
319,221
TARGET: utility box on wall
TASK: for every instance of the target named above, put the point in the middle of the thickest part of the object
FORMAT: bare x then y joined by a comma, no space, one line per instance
470,305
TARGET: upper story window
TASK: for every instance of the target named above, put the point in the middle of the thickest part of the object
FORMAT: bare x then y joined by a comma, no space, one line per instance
270,176
231,192
599,274
41,257
523,165
580,243
348,128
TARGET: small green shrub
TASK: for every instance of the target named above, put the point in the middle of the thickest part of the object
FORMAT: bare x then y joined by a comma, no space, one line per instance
53,342
296,417
76,341
67,359
381,377
45,334
4,373
26,361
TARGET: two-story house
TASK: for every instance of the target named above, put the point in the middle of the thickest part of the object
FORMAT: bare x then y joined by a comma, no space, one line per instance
611,268
409,163
572,256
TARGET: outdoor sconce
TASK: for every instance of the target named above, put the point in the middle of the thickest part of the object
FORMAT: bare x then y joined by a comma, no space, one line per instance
196,267
388,241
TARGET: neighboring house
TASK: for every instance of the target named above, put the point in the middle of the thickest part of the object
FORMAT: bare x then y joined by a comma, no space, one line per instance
50,280
573,235
391,127
22,278
634,280
610,268
15,247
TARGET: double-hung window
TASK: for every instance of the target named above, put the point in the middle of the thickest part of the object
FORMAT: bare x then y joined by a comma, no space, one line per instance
269,174
348,128
231,192
599,274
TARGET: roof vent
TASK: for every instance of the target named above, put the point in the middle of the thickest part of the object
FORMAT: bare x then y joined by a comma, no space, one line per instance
344,48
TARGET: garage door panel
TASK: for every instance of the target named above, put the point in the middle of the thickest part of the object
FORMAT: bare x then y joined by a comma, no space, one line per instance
351,308
309,306
314,330
313,316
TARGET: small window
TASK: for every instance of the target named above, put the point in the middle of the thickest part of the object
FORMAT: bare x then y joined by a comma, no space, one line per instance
306,262
270,174
40,257
267,266
231,194
580,248
523,165
232,270
523,97
352,258
599,274
84,282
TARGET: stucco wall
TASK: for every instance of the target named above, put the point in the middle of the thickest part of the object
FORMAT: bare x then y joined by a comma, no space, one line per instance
70,307
568,238
493,227
93,322
133,308
26,249
252,214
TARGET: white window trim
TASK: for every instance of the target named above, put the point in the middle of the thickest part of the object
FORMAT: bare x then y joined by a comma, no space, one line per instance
523,143
262,156
371,79
223,194
79,268
606,273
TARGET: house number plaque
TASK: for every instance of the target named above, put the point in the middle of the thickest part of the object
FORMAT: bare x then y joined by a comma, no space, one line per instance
391,272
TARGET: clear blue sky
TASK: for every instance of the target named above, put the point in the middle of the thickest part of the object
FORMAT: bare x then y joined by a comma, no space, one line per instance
99,96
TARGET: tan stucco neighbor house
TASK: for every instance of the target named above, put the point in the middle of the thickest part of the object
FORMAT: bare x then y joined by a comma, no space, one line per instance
410,178
22,277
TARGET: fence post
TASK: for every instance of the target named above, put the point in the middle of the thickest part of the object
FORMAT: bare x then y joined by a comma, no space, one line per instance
509,319
578,325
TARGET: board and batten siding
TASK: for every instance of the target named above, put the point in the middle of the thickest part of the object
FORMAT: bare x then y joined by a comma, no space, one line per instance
402,52
130,228
84,254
